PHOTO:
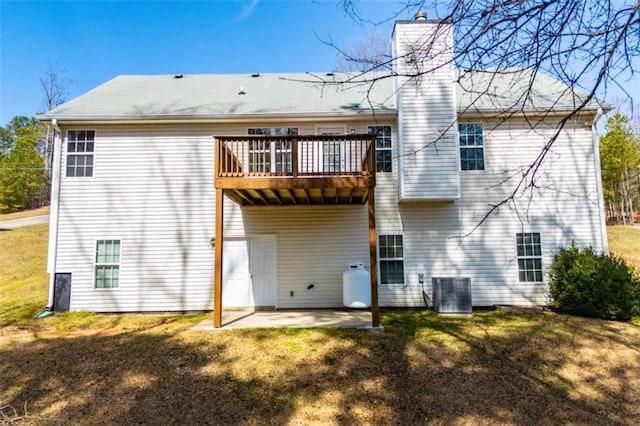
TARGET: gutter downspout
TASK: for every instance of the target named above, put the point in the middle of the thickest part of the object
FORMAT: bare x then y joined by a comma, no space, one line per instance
54,210
596,160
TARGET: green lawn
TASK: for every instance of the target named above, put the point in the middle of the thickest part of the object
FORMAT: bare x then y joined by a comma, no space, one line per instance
23,276
625,242
493,368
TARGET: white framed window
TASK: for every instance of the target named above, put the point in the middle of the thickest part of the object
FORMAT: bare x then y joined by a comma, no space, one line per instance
384,148
331,157
529,250
80,149
471,146
270,157
391,259
331,151
107,267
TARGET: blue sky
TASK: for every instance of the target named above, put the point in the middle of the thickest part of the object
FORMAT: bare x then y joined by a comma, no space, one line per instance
92,42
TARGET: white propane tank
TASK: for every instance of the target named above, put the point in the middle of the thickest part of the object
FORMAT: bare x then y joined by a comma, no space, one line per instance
356,286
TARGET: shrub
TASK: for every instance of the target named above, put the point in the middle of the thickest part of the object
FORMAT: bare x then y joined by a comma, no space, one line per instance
585,283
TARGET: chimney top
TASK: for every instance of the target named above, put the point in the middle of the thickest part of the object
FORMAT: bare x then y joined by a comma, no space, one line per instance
420,16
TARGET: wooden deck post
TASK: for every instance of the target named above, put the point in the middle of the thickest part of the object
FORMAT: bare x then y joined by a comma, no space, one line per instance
373,259
217,280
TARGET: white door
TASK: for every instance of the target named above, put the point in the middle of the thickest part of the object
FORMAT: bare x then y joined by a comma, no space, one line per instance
262,267
249,272
236,285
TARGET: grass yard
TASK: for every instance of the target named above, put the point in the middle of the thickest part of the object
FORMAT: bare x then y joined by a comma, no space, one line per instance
26,213
23,273
625,242
493,368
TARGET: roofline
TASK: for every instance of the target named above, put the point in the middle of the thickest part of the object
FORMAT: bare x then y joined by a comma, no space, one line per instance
300,117
219,118
533,111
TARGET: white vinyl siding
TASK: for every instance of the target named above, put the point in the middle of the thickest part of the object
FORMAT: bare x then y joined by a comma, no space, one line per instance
427,133
154,185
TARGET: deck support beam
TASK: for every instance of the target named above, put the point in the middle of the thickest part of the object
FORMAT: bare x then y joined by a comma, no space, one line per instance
217,280
373,259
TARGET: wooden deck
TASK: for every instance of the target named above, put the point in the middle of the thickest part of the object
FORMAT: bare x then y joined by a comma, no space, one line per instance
258,170
289,170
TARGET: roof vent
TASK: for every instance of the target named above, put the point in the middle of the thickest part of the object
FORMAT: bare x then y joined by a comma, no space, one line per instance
255,74
241,92
330,74
420,16
178,76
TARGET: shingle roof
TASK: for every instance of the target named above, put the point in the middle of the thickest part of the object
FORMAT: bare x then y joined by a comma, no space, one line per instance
228,95
515,89
220,94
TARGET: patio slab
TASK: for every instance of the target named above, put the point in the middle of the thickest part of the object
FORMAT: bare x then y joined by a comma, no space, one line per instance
310,318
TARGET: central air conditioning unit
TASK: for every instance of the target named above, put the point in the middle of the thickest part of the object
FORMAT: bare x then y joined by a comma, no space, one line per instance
451,295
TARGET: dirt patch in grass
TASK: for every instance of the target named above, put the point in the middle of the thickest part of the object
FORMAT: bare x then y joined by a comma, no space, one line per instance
495,367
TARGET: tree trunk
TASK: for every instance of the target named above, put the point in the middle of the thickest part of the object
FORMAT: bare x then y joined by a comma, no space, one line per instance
628,195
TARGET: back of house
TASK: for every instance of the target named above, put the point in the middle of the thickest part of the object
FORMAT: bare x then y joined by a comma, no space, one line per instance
433,174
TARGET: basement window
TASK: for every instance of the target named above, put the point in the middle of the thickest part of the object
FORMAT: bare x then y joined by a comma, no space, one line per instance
107,264
529,250
80,148
391,259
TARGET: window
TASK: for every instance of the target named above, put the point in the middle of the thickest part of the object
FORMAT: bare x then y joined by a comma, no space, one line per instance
471,146
107,263
383,147
259,157
331,156
262,155
80,146
391,259
529,257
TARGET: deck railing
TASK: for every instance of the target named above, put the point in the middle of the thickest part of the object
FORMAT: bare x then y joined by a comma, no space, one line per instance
295,156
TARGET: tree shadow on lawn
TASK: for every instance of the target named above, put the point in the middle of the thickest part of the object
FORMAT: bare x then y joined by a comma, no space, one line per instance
442,371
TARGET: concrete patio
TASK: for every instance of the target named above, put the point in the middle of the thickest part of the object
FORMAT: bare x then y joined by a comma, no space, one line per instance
309,318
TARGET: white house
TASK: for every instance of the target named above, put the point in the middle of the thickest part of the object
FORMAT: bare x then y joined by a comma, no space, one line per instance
168,190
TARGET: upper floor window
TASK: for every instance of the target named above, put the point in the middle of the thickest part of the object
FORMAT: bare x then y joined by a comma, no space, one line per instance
529,249
383,147
271,157
80,147
471,146
331,157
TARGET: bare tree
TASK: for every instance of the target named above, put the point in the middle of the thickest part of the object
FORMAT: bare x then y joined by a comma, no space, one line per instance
372,52
588,45
55,86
